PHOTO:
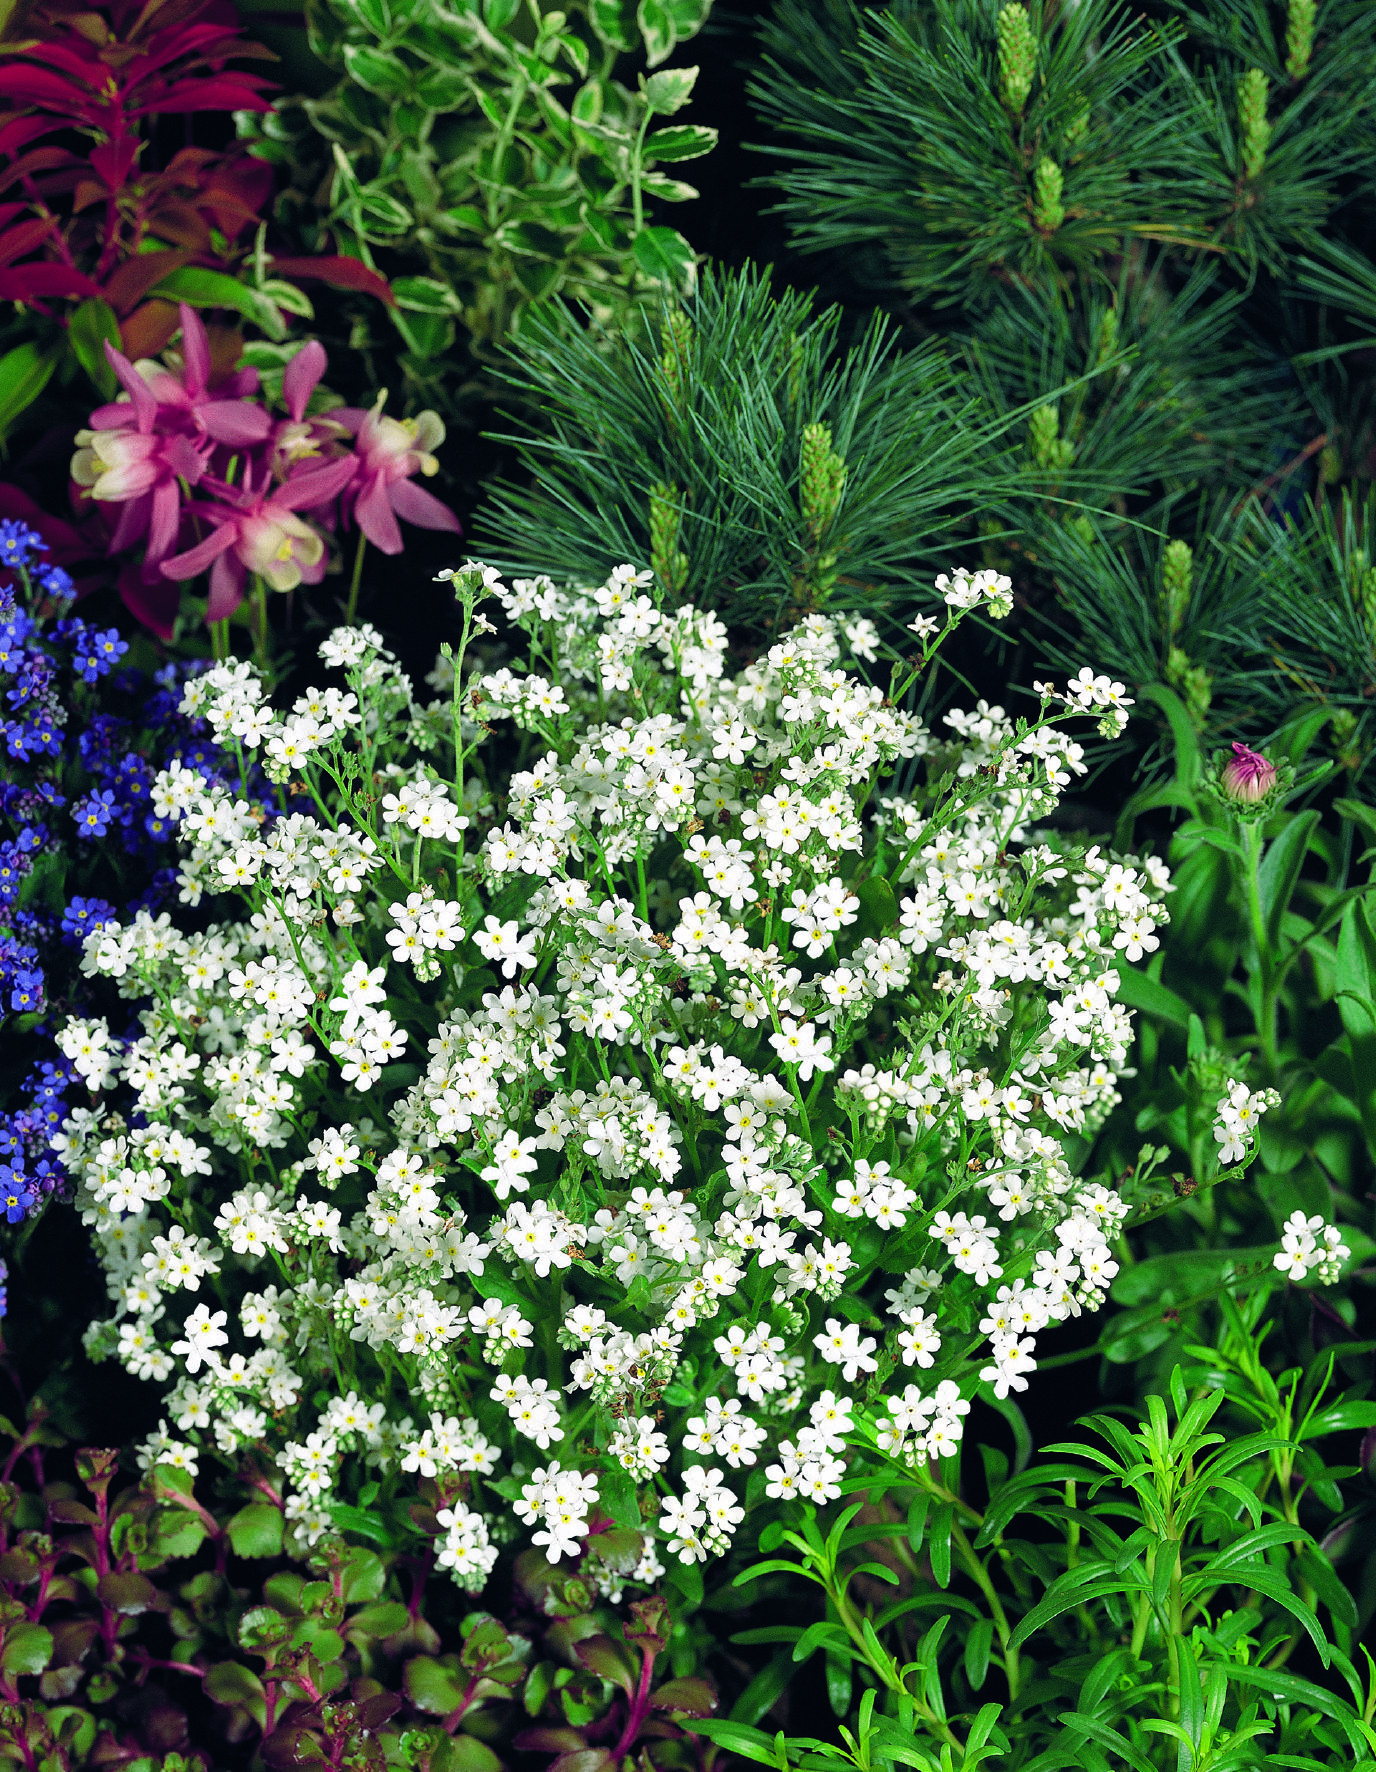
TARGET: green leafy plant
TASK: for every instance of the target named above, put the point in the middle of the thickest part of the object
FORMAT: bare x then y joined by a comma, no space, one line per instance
1131,1599
452,148
741,451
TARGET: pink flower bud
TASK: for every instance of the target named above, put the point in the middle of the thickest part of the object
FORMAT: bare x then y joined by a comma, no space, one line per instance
1247,775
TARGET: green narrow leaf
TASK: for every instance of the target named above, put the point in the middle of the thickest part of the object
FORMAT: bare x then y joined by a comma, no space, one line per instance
939,1543
838,1684
1182,731
1280,869
765,1690
1357,1006
24,373
90,327
977,1647
1138,991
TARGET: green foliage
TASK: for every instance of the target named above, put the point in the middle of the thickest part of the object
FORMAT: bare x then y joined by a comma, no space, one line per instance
1132,1598
737,446
929,128
1127,223
494,158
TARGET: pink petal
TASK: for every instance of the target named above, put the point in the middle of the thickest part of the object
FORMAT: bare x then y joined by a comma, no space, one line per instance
234,421
184,459
133,521
300,377
316,487
195,350
373,514
226,587
195,560
145,405
162,527
119,415
421,507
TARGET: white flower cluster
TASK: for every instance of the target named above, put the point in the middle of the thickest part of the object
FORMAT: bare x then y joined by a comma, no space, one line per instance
1309,1246
1236,1117
644,1052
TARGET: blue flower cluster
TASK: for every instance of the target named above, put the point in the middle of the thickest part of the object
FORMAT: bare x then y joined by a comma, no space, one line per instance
80,842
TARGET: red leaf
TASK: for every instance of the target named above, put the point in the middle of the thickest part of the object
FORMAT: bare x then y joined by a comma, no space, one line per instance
113,161
230,92
23,85
339,272
148,329
20,131
33,282
155,605
25,237
132,280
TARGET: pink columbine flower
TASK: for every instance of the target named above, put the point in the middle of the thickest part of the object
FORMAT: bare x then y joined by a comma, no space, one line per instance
389,451
297,439
259,531
184,400
124,460
1247,775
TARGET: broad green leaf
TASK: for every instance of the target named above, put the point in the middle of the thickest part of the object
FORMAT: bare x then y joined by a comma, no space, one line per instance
688,16
375,71
28,1649
500,13
435,1684
1339,1418
256,1530
687,1697
617,1491
669,90
939,1543
232,1682
838,1678
1314,1567
89,329
614,22
200,288
24,373
1185,1274
665,255
442,89
363,1522
657,30
425,295
687,1578
681,141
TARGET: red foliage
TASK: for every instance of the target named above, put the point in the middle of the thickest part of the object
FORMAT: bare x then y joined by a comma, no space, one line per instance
94,219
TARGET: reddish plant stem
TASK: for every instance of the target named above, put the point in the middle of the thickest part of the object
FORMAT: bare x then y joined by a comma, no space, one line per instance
639,1708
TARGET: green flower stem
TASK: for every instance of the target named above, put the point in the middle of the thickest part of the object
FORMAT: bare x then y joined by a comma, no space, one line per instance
1265,971
351,608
